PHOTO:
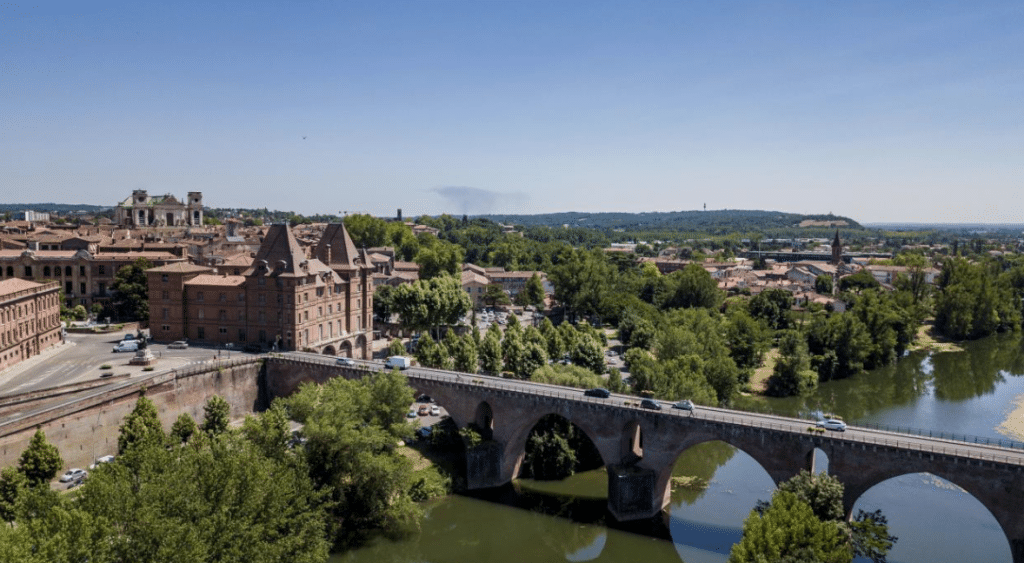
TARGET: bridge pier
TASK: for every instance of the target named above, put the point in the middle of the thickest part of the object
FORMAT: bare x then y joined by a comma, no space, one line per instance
483,466
631,494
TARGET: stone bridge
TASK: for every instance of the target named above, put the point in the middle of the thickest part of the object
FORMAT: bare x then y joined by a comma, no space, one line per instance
639,447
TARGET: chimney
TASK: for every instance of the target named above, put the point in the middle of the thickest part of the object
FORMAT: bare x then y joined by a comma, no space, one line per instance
328,255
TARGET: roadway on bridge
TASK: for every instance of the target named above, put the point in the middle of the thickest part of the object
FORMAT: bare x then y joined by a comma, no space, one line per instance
780,423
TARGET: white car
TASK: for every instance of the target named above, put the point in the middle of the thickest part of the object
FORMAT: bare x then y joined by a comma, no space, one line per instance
435,411
347,362
832,424
73,475
101,460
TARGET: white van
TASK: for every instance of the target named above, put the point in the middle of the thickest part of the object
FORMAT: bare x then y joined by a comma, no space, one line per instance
127,346
400,362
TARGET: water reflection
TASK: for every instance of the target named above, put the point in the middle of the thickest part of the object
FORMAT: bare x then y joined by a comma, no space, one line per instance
715,485
936,521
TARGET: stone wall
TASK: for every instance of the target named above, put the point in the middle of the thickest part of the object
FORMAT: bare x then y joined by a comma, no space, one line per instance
87,426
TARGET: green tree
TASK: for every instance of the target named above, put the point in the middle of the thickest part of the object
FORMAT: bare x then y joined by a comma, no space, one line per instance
216,416
141,427
12,482
131,290
792,374
396,348
533,292
431,303
465,355
788,531
823,284
490,353
494,295
690,287
269,431
773,306
748,339
183,428
40,461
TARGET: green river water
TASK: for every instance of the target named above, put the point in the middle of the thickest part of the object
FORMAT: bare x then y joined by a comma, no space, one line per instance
970,392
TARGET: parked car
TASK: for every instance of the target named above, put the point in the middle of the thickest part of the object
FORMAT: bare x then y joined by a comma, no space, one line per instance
73,474
127,346
685,404
349,362
650,404
598,392
424,410
424,399
435,411
411,413
424,433
832,424
178,345
101,460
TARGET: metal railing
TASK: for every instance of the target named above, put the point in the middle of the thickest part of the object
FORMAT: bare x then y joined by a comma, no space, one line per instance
932,444
953,436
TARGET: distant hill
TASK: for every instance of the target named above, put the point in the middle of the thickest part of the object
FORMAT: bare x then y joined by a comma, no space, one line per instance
975,228
53,207
733,220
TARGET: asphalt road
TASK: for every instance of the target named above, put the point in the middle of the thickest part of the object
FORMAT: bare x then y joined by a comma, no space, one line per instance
80,357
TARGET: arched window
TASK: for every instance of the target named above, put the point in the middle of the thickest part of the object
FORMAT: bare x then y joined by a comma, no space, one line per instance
67,271
46,271
10,270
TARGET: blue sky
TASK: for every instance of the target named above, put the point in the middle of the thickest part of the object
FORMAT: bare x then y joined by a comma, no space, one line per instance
882,111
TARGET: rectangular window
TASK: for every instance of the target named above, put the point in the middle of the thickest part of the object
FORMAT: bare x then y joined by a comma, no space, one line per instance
165,295
81,270
101,270
261,281
69,287
241,335
166,313
201,332
83,290
262,299
262,317
28,271
263,336
223,315
163,278
223,297
202,313
241,297
223,330
199,296
166,328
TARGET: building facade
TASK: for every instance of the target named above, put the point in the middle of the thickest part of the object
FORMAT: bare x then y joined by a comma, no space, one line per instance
84,277
284,300
29,319
143,210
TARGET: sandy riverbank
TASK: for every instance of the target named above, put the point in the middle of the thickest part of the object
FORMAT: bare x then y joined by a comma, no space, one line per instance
1013,426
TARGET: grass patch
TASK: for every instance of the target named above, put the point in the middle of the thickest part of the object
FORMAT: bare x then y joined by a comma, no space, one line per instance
928,338
106,366
759,379
148,368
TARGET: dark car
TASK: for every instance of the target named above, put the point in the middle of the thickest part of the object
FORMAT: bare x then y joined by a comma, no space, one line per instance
650,404
599,392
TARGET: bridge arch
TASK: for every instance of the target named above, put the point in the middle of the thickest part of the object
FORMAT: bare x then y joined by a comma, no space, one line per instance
515,444
345,349
484,419
935,524
329,351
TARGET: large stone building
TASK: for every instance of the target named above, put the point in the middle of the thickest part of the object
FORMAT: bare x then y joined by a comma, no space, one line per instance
29,319
285,300
84,276
143,210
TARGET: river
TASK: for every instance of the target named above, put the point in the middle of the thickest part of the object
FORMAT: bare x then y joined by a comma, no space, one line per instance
969,392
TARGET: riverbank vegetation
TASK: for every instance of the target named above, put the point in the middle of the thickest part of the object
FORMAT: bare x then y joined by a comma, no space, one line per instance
805,521
211,492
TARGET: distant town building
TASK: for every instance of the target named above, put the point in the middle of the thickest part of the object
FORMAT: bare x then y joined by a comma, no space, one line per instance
31,216
143,210
29,319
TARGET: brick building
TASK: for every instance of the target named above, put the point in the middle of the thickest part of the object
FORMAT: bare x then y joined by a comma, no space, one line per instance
29,319
284,300
84,276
